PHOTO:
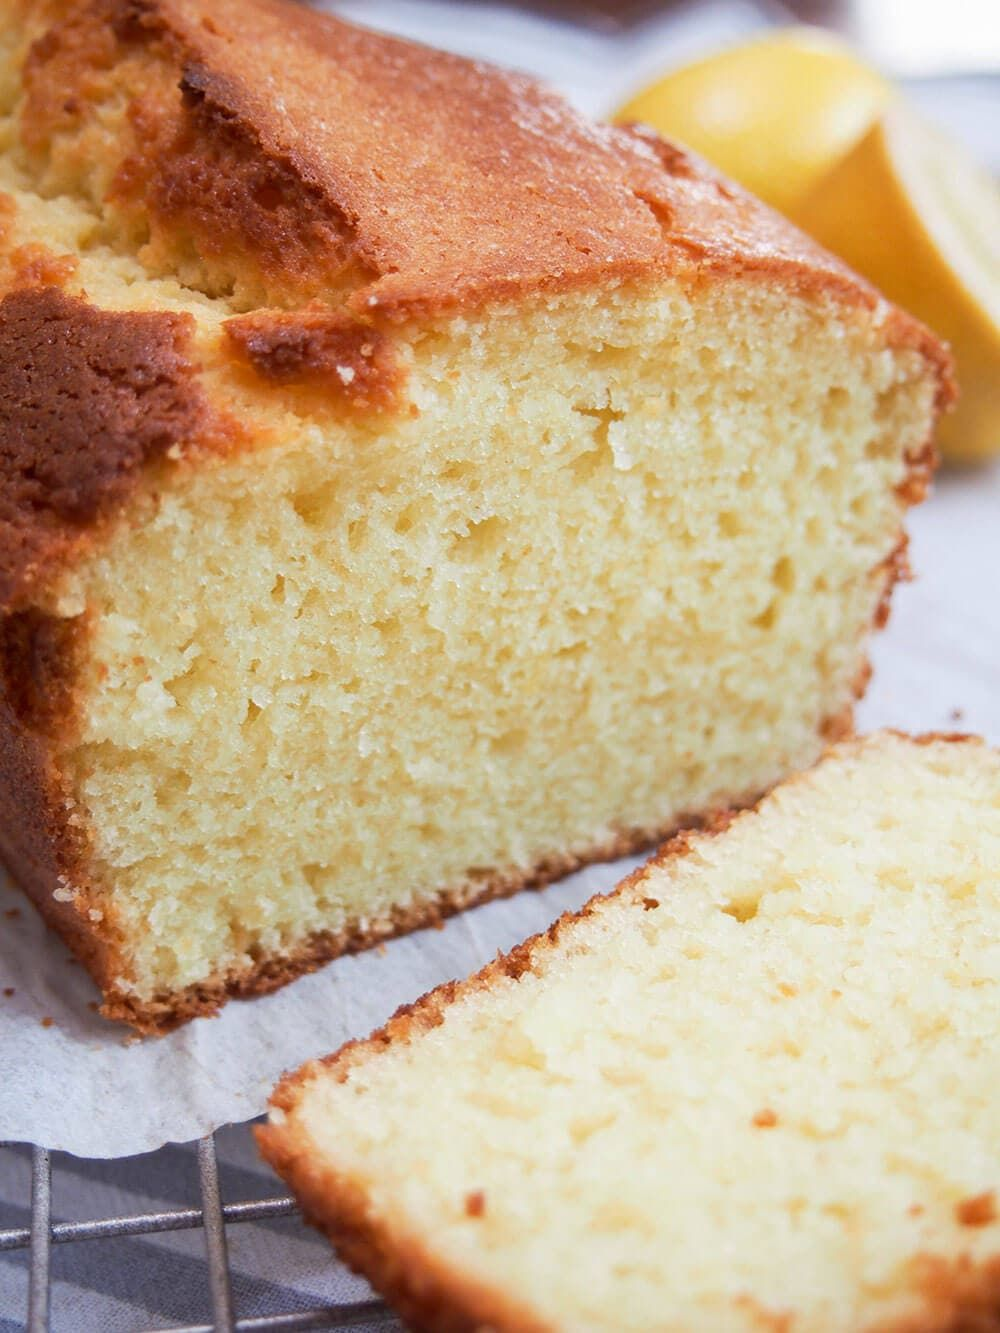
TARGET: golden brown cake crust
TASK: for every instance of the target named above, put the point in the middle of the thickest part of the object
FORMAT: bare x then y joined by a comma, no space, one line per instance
87,399
370,180
382,181
355,363
401,180
956,1296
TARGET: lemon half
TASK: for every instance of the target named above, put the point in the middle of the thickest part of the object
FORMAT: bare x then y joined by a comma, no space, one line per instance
909,209
774,113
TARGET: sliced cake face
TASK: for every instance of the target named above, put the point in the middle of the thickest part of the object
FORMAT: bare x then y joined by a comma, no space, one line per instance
756,1086
328,611
583,595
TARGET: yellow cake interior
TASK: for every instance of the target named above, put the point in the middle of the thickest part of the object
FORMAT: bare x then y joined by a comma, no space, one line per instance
757,1089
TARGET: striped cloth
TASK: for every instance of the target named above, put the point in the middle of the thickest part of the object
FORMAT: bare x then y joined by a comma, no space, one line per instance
135,1283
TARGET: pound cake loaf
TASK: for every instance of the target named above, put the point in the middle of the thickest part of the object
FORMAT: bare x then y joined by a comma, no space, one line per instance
409,491
755,1088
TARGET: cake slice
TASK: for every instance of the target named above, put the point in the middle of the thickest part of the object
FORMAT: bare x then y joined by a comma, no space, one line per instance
408,491
756,1087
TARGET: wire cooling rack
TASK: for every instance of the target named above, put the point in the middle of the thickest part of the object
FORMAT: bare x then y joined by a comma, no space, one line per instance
212,1217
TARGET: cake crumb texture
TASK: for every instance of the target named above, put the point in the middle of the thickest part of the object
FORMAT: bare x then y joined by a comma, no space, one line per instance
411,492
830,956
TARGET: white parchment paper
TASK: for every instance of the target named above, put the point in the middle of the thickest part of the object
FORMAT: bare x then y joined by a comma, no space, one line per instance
70,1080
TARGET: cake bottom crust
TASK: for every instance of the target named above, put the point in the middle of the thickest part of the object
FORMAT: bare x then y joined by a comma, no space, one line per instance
162,1013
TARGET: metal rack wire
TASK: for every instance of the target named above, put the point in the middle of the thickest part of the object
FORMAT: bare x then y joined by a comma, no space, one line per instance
213,1217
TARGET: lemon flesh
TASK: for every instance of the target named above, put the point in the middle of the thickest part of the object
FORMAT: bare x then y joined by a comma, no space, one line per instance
912,212
774,113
